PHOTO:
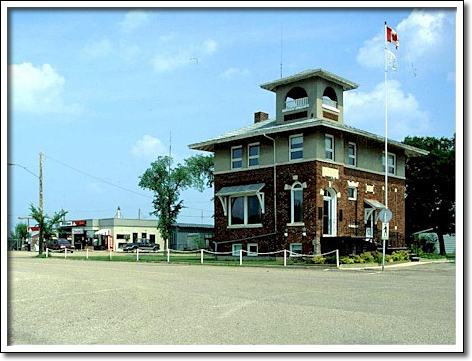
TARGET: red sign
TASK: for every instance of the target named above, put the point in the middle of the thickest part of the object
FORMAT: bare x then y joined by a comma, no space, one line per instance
33,229
78,223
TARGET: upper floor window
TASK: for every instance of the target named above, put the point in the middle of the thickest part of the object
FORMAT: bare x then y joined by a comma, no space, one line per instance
253,151
297,203
352,150
329,147
236,157
391,162
296,147
352,193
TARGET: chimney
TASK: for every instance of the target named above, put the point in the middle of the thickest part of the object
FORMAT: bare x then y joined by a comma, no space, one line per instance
260,116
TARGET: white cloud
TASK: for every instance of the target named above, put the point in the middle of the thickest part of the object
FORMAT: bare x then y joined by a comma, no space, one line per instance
134,20
234,72
420,36
172,59
148,147
366,110
97,49
210,46
38,90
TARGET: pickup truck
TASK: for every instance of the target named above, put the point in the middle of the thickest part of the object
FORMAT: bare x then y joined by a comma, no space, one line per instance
133,247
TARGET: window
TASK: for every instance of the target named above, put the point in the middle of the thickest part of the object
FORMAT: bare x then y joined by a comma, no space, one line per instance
245,211
152,238
352,150
297,203
135,237
253,154
329,146
236,249
295,249
143,235
236,157
296,147
252,249
391,163
352,193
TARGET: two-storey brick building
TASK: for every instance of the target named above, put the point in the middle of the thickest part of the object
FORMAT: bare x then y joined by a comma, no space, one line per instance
305,181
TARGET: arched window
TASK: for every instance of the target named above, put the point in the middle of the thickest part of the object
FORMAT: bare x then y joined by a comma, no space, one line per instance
296,98
329,212
296,203
329,97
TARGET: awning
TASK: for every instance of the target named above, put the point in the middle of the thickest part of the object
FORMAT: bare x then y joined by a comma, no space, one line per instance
240,190
374,204
105,232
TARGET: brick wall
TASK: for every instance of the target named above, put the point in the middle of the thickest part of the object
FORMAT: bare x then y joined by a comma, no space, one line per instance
310,174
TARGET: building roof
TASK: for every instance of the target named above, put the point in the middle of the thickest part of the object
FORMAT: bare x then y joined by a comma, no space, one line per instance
270,127
307,74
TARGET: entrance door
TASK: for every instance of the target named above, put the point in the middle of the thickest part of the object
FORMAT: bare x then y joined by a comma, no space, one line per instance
329,213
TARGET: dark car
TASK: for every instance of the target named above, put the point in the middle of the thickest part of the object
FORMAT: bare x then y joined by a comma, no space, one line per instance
133,247
60,245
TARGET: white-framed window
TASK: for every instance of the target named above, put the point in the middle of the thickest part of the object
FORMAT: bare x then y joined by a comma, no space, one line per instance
296,203
252,249
295,249
236,157
236,249
352,193
352,151
391,163
253,152
244,210
329,146
296,147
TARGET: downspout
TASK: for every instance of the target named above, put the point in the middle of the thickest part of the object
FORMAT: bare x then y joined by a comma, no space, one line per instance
275,185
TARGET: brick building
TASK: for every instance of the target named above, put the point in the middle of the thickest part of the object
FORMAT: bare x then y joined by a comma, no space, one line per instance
305,181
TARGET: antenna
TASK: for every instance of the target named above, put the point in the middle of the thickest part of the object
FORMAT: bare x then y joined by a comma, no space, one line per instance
281,48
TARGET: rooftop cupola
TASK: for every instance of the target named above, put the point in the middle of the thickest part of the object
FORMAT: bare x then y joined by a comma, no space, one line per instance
311,94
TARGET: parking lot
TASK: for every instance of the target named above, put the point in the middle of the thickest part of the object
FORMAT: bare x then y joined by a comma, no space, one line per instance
78,302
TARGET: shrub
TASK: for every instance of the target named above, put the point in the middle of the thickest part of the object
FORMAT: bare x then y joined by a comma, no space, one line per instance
346,260
358,259
367,257
388,258
400,256
319,260
330,259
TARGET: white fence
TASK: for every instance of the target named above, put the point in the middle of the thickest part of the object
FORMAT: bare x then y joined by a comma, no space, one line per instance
202,255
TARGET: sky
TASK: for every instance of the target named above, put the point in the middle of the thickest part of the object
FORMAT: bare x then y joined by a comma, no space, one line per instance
104,92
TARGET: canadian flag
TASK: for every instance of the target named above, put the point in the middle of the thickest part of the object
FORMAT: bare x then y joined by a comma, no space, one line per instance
392,37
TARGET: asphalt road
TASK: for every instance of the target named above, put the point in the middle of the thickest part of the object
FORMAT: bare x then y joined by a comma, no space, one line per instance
72,302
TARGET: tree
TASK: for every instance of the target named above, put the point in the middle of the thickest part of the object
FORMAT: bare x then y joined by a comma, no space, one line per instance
430,187
167,183
20,232
47,225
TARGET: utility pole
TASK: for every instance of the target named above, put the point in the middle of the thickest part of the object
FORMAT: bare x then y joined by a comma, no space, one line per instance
41,182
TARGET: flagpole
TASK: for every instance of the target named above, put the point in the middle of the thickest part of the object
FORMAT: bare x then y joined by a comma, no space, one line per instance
386,153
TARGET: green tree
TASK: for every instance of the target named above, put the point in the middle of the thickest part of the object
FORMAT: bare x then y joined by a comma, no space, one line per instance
20,232
430,187
166,182
47,225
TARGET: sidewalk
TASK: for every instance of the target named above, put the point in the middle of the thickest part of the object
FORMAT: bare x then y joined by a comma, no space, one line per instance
404,264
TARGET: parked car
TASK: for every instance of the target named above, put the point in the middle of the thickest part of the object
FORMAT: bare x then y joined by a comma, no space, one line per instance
60,245
133,247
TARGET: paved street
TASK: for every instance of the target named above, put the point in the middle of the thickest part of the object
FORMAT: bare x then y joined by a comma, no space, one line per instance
57,302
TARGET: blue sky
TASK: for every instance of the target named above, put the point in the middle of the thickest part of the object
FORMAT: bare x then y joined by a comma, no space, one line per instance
102,91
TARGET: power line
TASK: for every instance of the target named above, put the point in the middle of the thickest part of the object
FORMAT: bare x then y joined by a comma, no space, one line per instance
100,179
